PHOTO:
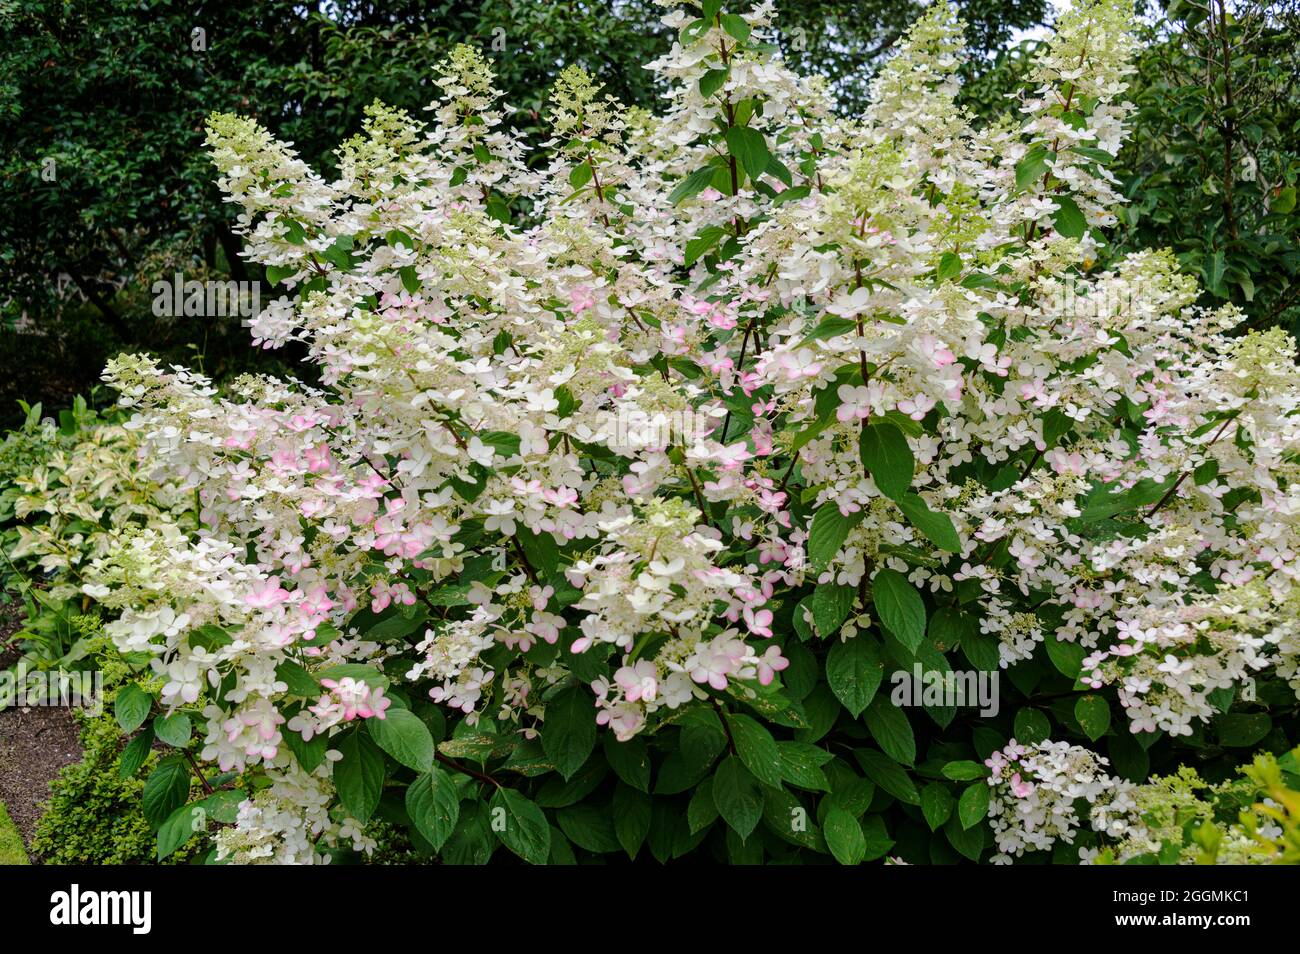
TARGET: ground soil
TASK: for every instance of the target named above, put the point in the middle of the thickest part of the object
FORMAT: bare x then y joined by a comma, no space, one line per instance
35,742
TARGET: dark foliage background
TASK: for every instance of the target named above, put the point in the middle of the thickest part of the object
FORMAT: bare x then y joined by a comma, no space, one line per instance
105,189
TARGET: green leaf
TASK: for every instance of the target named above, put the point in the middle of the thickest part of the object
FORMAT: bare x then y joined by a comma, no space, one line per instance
736,25
403,736
771,704
981,649
849,790
521,825
973,806
398,626
748,146
1067,657
888,456
787,818
980,280
132,707
844,837
756,748
831,605
410,280
936,525
964,770
541,550
888,774
173,729
712,81
1206,472
589,827
396,238
1284,202
1068,219
949,268
701,812
309,754
1213,272
968,841
900,607
569,730
1129,758
936,804
179,827
276,274
1031,726
294,233
472,843
299,680
632,813
1241,730
777,170
1093,714
1032,167
854,670
580,175
1096,155
891,730
697,246
737,796
433,804
829,530
223,805
629,760
359,774
877,837
831,326
801,764
165,790
693,184
135,753
797,194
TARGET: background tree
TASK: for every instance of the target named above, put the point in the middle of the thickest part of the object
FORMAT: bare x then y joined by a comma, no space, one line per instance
1213,172
102,175
103,102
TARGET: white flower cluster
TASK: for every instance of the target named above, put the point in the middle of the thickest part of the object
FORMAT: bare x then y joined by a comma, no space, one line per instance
287,823
1037,792
869,323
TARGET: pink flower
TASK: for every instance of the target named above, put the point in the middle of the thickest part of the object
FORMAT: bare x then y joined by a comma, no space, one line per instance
638,681
267,593
934,351
770,663
916,407
582,297
759,622
855,403
319,460
354,697
1019,788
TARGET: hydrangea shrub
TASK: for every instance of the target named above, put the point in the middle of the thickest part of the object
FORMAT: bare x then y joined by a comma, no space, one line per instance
637,467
